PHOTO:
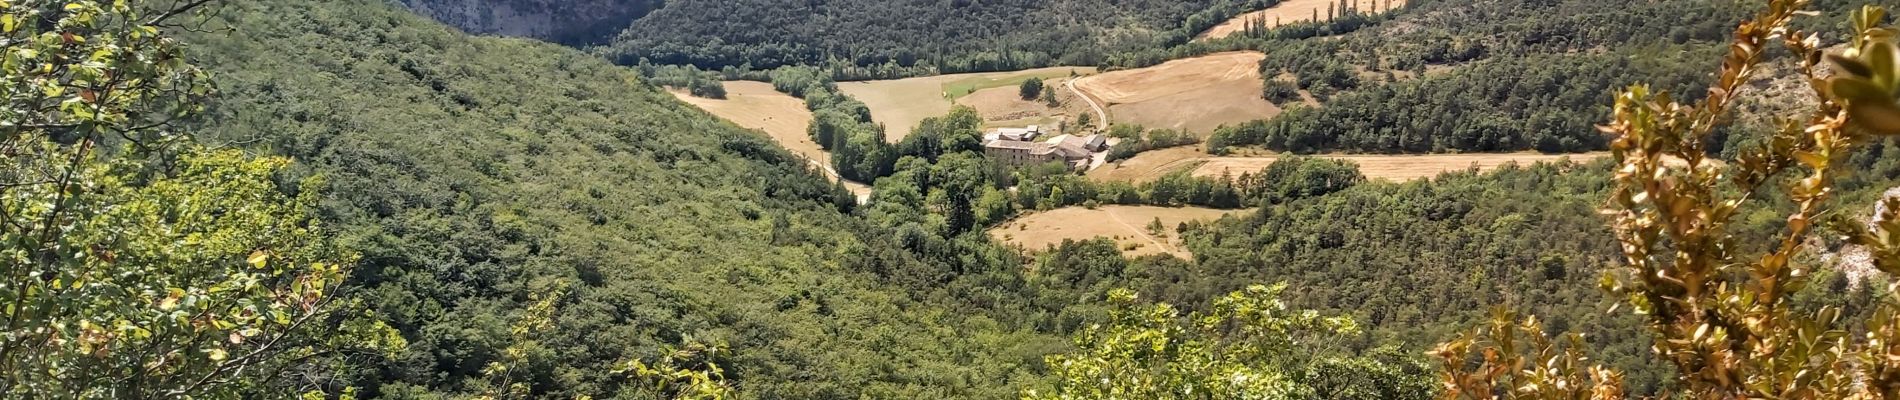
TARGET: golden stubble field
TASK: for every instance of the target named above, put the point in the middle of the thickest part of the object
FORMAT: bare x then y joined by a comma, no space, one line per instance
755,105
1005,107
1192,94
1288,12
1126,225
899,104
1397,168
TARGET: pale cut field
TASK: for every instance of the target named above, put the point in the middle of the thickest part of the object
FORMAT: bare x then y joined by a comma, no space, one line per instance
1288,12
1398,168
1151,165
755,105
1191,94
1005,107
900,104
1126,225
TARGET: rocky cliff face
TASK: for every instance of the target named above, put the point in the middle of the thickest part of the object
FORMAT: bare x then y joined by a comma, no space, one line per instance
573,22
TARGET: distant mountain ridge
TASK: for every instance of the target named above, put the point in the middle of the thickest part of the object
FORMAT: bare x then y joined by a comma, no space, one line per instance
570,22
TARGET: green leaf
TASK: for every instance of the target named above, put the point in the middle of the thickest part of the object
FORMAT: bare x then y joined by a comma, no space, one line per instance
1880,56
258,258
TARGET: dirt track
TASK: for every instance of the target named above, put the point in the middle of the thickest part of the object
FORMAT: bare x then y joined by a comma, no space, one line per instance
1193,94
900,104
1005,107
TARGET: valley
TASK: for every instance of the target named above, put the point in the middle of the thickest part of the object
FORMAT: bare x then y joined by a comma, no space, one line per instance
961,199
1195,96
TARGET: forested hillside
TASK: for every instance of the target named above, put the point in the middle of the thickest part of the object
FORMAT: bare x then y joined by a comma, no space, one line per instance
1485,76
1419,262
474,175
533,219
938,36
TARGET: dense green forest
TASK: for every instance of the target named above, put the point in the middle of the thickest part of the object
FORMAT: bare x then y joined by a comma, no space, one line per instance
526,220
921,35
471,197
669,229
473,173
1486,76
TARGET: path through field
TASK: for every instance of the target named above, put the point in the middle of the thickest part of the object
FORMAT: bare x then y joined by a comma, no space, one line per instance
1195,94
1101,116
1004,106
899,104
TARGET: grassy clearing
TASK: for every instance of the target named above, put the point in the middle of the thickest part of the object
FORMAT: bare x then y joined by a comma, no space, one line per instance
900,104
963,87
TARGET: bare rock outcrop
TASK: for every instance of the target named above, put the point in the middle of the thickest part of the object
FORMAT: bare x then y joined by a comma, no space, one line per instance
572,22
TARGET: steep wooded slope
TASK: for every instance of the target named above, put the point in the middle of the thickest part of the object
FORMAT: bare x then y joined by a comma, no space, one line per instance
475,173
951,36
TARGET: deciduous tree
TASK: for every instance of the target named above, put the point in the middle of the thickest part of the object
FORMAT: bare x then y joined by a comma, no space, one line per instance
135,264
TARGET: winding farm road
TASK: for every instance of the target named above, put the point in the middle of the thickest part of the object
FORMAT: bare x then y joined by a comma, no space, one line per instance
861,190
1100,113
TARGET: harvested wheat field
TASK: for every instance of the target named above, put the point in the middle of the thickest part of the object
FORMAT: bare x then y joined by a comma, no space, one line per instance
1288,12
1005,107
900,104
1191,94
1126,225
1151,165
1398,168
755,105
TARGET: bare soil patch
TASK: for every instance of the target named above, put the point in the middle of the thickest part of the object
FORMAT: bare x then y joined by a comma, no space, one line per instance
1288,12
900,104
1192,94
1126,225
755,105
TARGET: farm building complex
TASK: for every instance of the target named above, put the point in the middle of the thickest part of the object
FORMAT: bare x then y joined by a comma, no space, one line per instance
1018,146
